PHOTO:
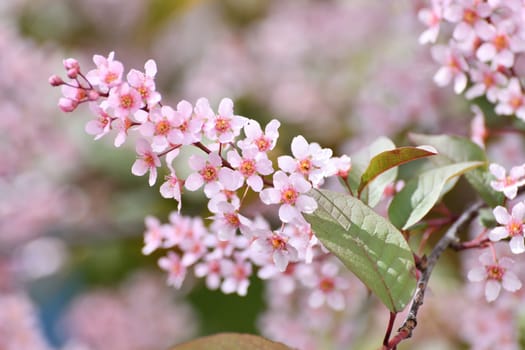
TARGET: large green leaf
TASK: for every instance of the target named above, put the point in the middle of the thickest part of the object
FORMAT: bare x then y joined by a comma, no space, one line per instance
455,149
360,162
368,244
231,341
421,193
389,159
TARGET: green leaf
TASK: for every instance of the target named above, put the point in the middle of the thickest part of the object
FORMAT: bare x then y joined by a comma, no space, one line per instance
420,194
455,149
360,163
389,159
231,341
368,244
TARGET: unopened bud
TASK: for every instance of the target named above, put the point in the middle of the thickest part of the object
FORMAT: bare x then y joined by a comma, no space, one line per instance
71,63
93,95
67,104
55,80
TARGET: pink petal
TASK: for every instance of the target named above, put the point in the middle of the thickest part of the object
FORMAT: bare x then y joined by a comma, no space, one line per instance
511,282
193,182
477,274
270,196
498,233
516,245
139,168
288,213
226,107
502,215
492,289
486,52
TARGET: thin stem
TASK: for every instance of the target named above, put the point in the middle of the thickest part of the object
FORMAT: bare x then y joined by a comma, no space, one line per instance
390,327
405,331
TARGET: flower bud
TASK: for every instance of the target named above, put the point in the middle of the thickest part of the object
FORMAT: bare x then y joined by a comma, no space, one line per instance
67,104
55,80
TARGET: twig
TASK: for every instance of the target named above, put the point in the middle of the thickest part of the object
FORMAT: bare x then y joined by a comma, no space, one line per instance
450,237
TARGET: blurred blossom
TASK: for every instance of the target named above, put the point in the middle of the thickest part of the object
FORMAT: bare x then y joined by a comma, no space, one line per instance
141,315
42,257
19,324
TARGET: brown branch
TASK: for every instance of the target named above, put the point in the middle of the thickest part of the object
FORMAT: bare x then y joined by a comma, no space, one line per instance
450,237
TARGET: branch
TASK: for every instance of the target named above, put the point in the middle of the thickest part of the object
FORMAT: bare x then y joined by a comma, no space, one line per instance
450,237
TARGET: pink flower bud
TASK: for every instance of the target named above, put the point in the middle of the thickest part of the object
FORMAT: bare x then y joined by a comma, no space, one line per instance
55,80
67,104
72,73
71,63
93,95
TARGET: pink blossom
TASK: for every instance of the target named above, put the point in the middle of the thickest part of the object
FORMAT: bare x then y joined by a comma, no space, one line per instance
251,166
172,187
211,174
122,125
124,100
108,73
264,141
339,166
511,100
432,19
188,127
309,159
485,81
289,192
159,124
236,275
512,227
276,244
100,126
147,161
508,184
466,13
154,235
176,270
500,43
497,274
227,221
327,287
211,267
225,126
144,83
453,67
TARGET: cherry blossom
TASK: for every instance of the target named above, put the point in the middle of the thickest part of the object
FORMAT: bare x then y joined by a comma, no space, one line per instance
485,82
176,270
453,67
211,174
432,19
289,192
251,166
327,287
144,83
511,100
508,184
513,227
108,73
124,100
225,126
147,161
478,130
227,221
496,274
278,245
236,276
100,126
264,141
154,235
309,160
499,43
172,186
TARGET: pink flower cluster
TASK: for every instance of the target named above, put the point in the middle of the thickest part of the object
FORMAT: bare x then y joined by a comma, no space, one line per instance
483,54
232,159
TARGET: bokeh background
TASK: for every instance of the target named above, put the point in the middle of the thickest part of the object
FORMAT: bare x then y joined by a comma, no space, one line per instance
72,275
